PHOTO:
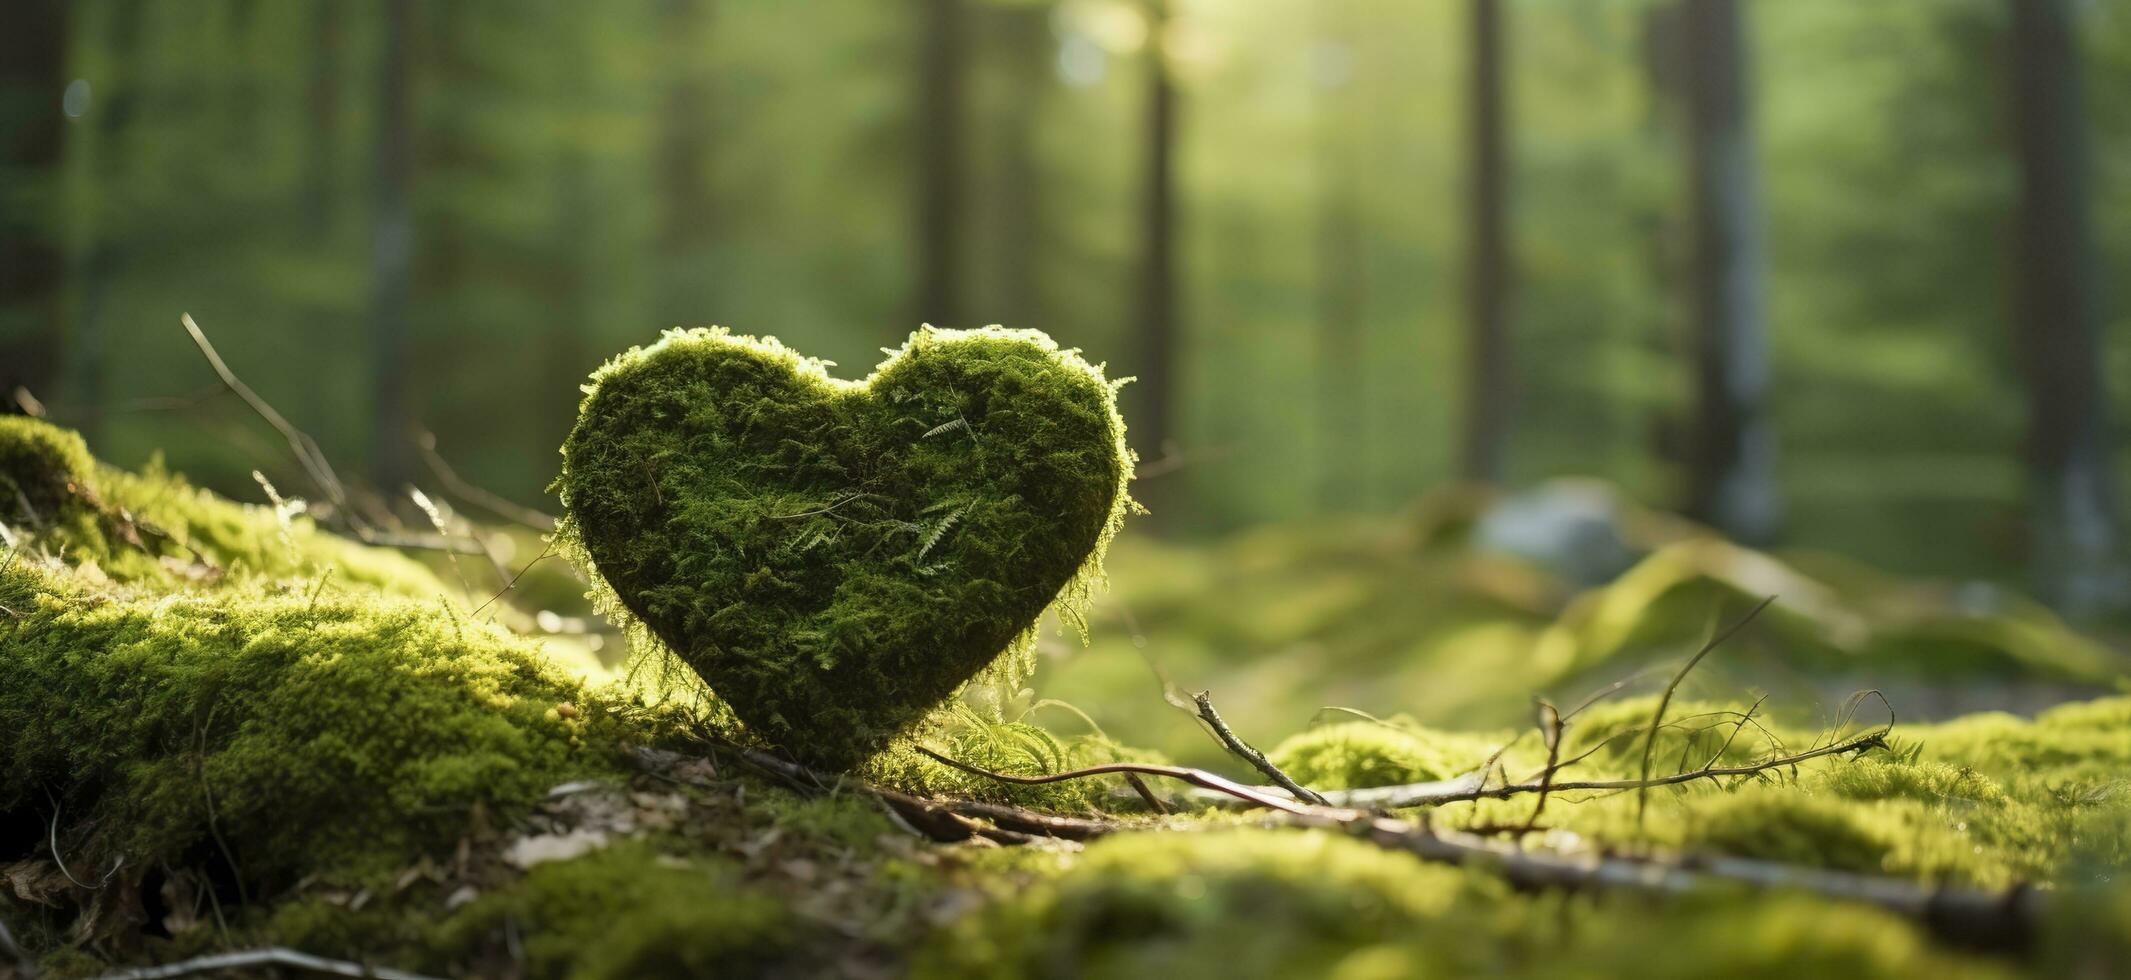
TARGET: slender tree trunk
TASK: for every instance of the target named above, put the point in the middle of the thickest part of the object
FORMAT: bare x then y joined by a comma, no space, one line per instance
939,159
1489,385
1342,257
33,64
391,255
111,111
1019,236
321,138
1153,425
1731,444
686,208
2072,496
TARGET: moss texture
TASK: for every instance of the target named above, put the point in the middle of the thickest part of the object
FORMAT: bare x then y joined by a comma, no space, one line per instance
1243,903
152,529
1362,754
624,913
836,558
286,732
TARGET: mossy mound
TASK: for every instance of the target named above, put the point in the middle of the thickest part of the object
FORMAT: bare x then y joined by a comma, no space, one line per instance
1238,904
152,529
1364,754
836,558
284,732
626,912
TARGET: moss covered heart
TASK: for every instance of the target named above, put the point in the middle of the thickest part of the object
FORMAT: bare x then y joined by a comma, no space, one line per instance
836,558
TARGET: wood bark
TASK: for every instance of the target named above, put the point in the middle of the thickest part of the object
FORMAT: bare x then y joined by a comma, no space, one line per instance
1488,381
2073,522
1731,445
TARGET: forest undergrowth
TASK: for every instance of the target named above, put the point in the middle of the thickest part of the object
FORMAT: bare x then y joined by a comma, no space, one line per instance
239,739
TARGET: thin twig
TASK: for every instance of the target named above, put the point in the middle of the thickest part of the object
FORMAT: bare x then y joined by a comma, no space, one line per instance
305,448
1139,786
1472,786
545,551
266,957
61,861
1550,727
494,502
1248,753
2005,919
1657,718
1197,777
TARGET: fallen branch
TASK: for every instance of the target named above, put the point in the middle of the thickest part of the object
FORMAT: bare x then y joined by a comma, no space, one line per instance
1970,917
301,444
494,502
267,957
1988,919
1264,797
1245,751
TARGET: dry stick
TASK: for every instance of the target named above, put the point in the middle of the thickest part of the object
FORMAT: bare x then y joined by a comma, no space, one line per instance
1197,777
1977,918
2001,920
1140,786
1460,789
1657,718
254,958
545,551
1550,726
495,503
1243,750
300,443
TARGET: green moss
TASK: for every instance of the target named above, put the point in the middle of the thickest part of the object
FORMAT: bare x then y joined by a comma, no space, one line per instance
1012,748
1198,904
627,912
1361,754
153,529
1240,904
301,732
836,558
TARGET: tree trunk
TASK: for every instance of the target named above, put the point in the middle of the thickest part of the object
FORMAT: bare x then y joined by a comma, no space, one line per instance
391,255
111,111
685,204
939,160
1731,444
33,64
1153,425
2072,501
1342,256
1018,242
1488,382
322,136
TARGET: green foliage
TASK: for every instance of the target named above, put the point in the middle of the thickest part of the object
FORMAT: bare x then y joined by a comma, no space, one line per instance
836,558
153,529
330,732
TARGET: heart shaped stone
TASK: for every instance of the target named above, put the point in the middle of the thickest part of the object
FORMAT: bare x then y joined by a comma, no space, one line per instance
836,558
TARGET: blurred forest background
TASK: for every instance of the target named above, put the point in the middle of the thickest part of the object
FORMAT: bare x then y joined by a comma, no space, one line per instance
1826,274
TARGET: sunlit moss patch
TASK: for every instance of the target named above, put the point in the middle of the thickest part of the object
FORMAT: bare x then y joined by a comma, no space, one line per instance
280,731
1239,904
153,529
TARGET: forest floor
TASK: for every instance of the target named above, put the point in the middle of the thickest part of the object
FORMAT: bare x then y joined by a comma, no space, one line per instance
235,742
